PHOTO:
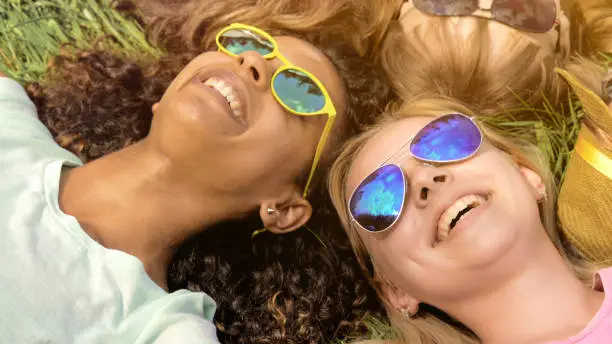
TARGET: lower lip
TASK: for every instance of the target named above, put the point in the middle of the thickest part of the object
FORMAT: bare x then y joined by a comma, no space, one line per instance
468,219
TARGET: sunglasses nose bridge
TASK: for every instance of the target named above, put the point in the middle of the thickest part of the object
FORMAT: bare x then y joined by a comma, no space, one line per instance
425,182
254,68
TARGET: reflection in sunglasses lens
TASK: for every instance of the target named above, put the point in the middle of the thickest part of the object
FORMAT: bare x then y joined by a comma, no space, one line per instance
240,41
527,15
448,138
377,201
298,91
447,7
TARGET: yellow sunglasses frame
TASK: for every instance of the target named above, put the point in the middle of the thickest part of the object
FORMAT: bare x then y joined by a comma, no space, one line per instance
328,107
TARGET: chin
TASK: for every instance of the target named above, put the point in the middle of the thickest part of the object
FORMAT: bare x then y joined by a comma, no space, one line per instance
489,246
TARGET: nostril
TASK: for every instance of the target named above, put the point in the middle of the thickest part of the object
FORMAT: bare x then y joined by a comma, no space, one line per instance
255,73
240,60
424,192
439,179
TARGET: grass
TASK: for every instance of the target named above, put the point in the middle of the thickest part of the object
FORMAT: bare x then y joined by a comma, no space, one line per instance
31,32
378,329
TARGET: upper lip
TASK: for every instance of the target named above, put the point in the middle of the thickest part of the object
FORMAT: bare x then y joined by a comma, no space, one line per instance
447,202
232,79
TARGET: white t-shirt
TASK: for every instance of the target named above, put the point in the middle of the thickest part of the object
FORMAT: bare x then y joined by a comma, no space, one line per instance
57,285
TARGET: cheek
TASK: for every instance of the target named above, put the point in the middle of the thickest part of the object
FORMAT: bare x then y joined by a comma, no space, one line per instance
396,255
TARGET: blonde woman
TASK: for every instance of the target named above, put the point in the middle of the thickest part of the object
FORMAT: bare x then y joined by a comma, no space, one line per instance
454,223
501,61
495,58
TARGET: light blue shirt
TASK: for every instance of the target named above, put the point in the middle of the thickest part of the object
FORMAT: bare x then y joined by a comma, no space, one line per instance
57,285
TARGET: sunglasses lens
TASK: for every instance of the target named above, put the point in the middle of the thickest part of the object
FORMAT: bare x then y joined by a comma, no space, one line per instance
446,139
238,41
527,15
447,7
298,91
377,202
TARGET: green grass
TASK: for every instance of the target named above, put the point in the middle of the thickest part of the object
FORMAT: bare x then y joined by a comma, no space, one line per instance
378,329
31,32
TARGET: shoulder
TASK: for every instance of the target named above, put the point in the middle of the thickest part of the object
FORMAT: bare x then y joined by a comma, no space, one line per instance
188,329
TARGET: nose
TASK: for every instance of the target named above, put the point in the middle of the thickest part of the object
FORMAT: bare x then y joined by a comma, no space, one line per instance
425,182
254,67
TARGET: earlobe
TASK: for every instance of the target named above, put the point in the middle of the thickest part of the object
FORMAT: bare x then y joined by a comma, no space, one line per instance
535,181
399,300
154,107
287,216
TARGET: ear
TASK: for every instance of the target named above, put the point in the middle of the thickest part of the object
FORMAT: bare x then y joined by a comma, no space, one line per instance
154,107
535,181
404,8
398,299
286,215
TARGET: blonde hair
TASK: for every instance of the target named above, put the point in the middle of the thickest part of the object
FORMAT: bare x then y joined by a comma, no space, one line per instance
426,327
432,60
592,27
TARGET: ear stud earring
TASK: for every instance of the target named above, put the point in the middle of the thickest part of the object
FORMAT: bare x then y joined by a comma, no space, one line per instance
272,211
543,196
407,313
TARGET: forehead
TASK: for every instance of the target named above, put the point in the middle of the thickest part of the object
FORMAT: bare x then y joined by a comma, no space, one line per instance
384,145
310,58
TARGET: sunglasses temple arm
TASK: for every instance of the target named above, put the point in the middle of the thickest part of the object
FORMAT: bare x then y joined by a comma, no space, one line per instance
282,58
317,156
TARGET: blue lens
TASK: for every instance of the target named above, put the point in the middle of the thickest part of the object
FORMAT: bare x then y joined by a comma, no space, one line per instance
377,201
298,91
240,41
448,138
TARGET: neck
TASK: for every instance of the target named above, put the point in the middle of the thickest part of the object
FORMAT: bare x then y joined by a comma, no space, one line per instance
132,200
544,302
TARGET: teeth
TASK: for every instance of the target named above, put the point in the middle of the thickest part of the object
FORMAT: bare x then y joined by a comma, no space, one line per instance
211,82
228,92
454,210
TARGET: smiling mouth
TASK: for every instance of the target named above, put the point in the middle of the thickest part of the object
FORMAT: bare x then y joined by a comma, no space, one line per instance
230,95
456,212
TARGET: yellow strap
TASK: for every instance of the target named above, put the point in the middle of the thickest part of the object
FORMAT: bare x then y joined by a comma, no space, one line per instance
596,158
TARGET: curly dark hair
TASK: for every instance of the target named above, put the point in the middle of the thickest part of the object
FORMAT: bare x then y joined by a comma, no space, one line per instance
303,287
293,288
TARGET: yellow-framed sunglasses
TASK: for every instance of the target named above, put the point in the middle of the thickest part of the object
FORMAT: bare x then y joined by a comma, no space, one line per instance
296,89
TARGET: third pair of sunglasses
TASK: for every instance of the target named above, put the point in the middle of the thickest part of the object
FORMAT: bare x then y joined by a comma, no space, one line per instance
377,202
537,16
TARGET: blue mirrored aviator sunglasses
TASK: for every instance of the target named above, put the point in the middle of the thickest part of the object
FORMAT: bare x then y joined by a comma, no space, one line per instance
378,200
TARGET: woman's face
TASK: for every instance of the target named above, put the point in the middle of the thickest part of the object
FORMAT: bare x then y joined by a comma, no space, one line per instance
252,149
412,18
418,254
